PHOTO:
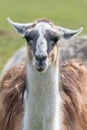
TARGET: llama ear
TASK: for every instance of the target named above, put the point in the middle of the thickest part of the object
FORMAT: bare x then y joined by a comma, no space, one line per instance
67,33
20,28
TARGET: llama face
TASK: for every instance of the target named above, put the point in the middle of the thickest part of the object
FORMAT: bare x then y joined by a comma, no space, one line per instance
42,38
41,43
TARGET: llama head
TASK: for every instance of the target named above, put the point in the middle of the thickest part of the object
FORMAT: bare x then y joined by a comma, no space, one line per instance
42,38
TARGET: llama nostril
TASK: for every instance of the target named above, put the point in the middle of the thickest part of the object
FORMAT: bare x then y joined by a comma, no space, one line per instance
40,57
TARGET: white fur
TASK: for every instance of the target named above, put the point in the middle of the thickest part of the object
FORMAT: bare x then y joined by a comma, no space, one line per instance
41,46
43,102
42,27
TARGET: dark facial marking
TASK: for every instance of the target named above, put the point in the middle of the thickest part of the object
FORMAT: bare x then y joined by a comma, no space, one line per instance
52,39
31,38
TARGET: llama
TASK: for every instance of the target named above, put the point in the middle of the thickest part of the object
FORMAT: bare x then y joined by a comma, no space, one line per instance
37,95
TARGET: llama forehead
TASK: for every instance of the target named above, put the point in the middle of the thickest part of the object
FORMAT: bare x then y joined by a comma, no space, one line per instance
43,26
39,44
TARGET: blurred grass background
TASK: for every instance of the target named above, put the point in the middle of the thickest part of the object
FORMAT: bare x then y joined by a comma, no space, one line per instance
68,13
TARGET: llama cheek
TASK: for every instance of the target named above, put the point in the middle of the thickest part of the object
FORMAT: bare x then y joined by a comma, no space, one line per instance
29,53
52,57
55,56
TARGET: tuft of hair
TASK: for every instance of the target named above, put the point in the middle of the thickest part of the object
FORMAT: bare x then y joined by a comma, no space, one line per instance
42,20
73,89
45,21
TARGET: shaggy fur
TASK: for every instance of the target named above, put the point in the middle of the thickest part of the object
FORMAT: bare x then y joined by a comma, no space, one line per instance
11,104
73,89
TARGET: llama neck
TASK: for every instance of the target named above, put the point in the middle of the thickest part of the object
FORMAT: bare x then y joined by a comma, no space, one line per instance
39,81
43,103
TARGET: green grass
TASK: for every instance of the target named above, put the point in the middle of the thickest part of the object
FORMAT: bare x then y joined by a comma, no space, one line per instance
67,13
8,45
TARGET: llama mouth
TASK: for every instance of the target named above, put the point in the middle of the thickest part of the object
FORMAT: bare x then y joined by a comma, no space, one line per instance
40,69
40,66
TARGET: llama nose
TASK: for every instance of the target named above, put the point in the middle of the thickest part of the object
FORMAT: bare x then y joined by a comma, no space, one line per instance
40,57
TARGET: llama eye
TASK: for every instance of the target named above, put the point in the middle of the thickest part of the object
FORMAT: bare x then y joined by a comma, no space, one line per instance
29,40
55,39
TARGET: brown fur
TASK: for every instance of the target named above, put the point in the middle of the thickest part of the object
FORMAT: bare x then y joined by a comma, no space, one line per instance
29,53
11,105
73,88
42,20
53,55
74,93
